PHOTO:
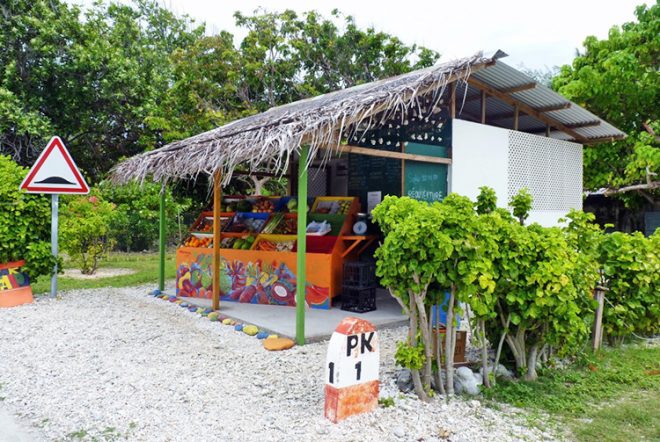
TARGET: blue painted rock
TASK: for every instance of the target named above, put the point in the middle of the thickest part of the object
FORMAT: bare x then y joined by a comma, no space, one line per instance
238,327
184,304
207,311
155,292
192,308
262,335
250,330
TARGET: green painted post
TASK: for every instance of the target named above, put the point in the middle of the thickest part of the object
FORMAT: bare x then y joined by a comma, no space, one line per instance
161,269
302,246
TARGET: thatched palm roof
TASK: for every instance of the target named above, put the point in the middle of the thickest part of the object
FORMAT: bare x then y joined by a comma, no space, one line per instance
273,137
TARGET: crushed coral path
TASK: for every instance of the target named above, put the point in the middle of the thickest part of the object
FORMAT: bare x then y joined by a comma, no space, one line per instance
115,364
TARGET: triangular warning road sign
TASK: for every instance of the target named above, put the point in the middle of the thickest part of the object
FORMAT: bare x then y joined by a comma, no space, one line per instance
55,172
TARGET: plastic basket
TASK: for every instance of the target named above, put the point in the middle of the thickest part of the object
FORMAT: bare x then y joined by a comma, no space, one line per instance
358,300
360,274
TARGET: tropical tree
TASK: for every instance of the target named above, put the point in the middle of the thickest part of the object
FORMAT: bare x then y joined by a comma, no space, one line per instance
92,78
618,78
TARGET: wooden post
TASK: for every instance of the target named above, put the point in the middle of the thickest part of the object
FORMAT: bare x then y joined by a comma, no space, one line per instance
403,170
301,267
452,100
162,243
483,107
217,202
598,323
516,115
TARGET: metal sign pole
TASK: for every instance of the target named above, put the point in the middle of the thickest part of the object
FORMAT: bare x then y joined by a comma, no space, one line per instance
53,241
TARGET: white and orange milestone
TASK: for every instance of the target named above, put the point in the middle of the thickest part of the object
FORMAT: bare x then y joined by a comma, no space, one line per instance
351,371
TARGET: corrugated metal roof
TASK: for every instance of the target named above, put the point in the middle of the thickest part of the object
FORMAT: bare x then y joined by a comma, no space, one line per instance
501,76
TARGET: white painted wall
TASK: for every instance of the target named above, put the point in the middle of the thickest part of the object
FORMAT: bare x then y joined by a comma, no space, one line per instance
508,160
479,158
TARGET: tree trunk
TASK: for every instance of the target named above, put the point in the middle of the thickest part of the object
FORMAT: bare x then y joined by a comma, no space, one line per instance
412,340
419,388
426,339
517,345
499,348
531,363
439,385
481,324
449,347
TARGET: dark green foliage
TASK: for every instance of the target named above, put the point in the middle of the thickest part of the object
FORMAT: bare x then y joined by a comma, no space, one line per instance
24,223
618,79
120,78
135,226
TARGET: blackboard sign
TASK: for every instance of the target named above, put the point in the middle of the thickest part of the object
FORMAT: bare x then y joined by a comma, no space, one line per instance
370,174
425,181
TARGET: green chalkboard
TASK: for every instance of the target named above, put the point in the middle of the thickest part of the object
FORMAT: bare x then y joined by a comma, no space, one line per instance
368,174
425,181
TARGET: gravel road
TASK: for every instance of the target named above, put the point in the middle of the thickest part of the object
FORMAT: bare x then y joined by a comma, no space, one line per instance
115,364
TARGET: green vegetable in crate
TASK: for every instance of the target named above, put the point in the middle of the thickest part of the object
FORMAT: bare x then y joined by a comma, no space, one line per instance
238,244
243,206
292,205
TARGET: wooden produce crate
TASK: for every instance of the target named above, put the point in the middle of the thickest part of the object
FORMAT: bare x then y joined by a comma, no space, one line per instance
461,343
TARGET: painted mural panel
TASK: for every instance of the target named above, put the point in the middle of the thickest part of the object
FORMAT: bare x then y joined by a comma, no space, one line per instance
253,277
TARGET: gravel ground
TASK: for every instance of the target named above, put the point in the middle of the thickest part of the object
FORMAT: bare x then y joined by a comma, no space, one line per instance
115,364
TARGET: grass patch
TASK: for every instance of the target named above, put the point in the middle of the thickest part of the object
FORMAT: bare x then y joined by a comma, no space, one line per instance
632,418
145,266
605,397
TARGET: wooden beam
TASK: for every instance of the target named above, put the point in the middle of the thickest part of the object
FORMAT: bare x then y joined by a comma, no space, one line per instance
215,272
507,115
519,88
584,124
572,126
403,170
510,90
602,139
483,107
554,107
536,113
452,100
389,154
516,116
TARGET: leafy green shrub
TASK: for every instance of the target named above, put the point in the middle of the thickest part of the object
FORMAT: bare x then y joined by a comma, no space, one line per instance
85,230
543,294
630,264
521,203
136,224
24,223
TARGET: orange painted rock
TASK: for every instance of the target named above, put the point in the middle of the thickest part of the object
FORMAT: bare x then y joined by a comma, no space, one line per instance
277,344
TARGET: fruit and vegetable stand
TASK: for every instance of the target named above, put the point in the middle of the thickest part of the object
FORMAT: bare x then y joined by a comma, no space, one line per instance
258,248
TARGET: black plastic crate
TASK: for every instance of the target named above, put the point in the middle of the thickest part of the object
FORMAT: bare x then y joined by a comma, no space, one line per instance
360,274
358,300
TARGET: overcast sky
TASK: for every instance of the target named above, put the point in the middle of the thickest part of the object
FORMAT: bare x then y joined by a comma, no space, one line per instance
534,33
